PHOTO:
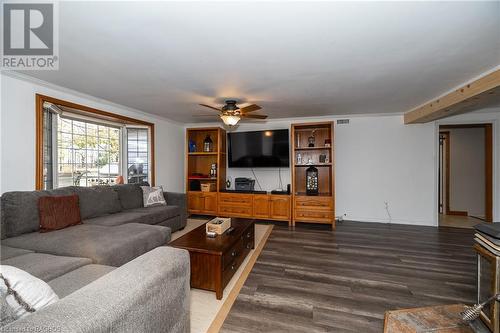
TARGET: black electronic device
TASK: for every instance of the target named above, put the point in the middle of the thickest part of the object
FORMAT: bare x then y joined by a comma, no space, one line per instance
244,184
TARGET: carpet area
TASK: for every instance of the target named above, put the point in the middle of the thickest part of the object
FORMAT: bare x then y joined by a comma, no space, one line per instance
207,313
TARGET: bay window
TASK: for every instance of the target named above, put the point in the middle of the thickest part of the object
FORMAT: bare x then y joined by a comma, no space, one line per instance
82,148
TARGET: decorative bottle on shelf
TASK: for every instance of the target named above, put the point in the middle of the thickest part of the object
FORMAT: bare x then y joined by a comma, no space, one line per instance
312,181
299,158
192,146
311,140
213,170
207,144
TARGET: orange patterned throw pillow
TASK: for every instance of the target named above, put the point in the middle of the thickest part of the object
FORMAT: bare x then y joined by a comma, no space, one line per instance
58,212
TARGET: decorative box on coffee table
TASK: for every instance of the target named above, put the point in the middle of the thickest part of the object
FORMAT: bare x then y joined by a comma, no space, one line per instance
215,260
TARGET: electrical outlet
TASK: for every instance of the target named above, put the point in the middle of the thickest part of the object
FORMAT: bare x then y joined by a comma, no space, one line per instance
343,122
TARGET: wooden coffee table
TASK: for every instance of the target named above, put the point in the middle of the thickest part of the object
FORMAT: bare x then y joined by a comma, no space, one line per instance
215,260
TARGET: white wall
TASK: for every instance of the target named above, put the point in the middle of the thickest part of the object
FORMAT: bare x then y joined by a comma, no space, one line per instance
17,133
378,159
467,176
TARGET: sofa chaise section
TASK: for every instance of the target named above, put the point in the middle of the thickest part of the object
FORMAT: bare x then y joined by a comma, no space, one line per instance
46,266
7,252
148,294
113,246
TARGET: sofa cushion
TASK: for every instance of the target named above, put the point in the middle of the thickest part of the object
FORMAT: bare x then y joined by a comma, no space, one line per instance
97,201
120,218
130,195
20,210
155,215
175,223
46,266
7,252
104,245
58,212
80,277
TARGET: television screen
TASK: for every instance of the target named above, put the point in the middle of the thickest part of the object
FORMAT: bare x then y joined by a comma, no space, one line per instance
260,149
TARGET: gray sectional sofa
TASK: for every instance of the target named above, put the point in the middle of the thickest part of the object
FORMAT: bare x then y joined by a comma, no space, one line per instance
113,273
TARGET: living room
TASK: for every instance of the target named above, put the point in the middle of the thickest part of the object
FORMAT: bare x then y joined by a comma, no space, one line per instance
313,132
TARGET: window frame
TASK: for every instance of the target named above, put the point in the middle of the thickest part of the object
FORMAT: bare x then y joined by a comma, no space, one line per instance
89,112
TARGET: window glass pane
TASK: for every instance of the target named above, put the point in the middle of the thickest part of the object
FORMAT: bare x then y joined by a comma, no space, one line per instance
89,154
78,127
79,141
91,129
64,125
114,133
103,131
142,135
137,155
64,140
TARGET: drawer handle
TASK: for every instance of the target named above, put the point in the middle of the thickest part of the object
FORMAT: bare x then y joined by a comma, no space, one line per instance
249,246
233,267
234,253
248,235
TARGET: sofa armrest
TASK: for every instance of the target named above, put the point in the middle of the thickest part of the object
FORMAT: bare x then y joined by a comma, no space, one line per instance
148,294
180,200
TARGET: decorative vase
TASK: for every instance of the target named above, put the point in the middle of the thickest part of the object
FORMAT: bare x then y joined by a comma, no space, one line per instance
207,144
192,146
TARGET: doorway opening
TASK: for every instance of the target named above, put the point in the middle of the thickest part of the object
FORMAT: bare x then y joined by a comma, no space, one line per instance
465,171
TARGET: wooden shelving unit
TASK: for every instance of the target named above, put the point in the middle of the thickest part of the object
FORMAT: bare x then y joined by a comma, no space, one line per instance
199,163
318,208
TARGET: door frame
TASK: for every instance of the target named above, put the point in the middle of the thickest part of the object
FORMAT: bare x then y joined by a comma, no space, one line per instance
488,172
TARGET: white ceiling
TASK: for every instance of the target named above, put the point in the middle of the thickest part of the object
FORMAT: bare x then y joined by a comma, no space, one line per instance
294,59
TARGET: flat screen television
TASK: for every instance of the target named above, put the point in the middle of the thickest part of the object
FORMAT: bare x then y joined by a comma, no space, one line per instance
259,149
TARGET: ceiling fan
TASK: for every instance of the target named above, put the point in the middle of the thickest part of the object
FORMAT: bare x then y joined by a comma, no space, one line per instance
230,113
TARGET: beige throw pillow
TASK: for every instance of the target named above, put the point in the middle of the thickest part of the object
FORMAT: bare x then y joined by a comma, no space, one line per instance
153,196
23,292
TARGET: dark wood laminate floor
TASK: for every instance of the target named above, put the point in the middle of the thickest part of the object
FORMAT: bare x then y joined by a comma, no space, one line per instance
316,280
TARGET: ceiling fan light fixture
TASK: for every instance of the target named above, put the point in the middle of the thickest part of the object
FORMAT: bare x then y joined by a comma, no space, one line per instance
230,120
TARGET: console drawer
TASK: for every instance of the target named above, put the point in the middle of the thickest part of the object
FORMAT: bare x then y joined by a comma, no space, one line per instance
235,199
314,216
235,211
313,203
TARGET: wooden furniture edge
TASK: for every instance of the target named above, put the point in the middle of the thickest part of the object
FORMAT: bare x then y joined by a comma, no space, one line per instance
218,321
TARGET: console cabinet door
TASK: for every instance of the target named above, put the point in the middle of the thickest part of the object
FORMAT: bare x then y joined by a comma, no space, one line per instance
210,203
261,206
195,202
280,208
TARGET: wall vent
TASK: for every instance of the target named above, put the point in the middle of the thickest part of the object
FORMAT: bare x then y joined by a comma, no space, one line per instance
342,121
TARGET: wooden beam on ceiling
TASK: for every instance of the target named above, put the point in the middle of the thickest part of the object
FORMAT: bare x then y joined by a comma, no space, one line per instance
481,93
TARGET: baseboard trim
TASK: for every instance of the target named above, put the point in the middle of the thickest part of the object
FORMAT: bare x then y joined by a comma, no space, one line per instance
457,213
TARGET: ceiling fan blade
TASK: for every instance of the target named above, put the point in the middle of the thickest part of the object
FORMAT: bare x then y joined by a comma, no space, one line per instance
254,116
211,107
250,108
